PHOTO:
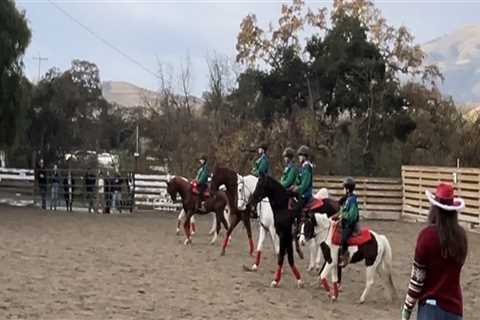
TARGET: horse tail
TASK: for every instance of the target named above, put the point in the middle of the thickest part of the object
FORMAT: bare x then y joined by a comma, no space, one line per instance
387,265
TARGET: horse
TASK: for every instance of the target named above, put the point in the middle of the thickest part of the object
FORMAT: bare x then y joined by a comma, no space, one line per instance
246,186
367,245
229,178
181,219
278,196
217,204
319,250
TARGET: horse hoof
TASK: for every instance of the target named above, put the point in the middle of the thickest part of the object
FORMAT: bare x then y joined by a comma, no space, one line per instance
222,253
300,283
187,242
254,267
178,231
274,284
361,301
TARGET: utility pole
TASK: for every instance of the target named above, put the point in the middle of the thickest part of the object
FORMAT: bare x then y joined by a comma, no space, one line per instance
40,59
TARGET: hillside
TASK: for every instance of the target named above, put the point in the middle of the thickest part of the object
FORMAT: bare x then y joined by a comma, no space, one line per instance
458,56
129,95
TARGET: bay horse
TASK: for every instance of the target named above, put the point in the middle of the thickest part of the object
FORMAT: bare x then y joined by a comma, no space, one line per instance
279,197
367,245
229,178
216,203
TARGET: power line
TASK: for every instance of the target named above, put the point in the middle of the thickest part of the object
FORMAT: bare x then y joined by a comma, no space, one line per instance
103,40
40,59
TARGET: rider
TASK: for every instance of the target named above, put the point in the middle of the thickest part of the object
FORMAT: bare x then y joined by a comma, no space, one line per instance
350,216
290,172
261,166
202,181
304,183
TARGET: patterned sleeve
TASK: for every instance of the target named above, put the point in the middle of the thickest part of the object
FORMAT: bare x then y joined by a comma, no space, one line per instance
418,275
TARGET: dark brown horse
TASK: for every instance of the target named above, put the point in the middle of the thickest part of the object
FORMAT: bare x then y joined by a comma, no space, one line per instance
216,203
229,178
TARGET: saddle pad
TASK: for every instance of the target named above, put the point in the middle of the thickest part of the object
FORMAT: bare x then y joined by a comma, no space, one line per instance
357,239
313,205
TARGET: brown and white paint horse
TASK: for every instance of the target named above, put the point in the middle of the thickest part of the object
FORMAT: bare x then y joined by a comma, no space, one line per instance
218,203
376,252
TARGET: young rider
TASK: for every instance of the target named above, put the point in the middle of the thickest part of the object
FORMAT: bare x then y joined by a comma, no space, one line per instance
290,172
261,166
304,184
350,216
202,181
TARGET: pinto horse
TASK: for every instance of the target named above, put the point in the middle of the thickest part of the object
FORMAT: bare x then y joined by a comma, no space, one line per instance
284,218
217,204
369,246
229,179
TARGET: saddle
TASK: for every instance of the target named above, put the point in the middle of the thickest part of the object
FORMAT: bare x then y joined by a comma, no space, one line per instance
312,206
358,238
196,191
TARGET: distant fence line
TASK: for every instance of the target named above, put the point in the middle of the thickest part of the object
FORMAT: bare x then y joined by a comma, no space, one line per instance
379,198
417,179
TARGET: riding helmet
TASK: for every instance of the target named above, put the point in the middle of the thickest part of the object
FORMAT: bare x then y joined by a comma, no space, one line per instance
263,145
303,151
203,157
349,183
288,153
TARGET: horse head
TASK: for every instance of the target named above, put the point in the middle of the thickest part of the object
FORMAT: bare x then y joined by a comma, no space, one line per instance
172,189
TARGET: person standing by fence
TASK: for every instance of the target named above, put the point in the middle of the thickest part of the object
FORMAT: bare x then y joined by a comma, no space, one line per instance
440,254
90,181
41,176
68,185
55,185
116,190
100,197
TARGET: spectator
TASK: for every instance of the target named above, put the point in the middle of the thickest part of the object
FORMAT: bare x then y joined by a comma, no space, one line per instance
116,188
440,253
55,185
108,192
68,185
100,199
41,176
90,181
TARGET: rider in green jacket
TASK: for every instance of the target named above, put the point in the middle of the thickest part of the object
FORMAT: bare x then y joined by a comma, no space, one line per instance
304,185
202,181
261,166
290,172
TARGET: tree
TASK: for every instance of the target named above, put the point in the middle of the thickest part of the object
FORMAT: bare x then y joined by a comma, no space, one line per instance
14,88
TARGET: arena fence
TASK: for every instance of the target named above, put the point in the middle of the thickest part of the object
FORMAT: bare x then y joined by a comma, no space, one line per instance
16,186
417,179
21,187
379,198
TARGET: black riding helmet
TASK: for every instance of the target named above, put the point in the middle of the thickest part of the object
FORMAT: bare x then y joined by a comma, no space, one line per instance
263,145
288,153
349,184
303,151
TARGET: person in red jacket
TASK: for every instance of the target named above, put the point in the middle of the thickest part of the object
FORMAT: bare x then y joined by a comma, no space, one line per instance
440,253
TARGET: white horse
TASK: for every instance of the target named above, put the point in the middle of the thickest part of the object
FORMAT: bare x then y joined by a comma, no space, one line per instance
376,252
246,187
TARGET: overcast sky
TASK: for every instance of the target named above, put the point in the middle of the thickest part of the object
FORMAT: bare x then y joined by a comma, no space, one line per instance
167,31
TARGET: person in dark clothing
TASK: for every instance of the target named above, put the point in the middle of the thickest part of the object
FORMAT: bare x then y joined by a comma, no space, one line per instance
90,181
68,185
108,192
41,177
55,185
116,193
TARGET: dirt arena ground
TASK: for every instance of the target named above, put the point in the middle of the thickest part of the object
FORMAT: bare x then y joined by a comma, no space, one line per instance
81,266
